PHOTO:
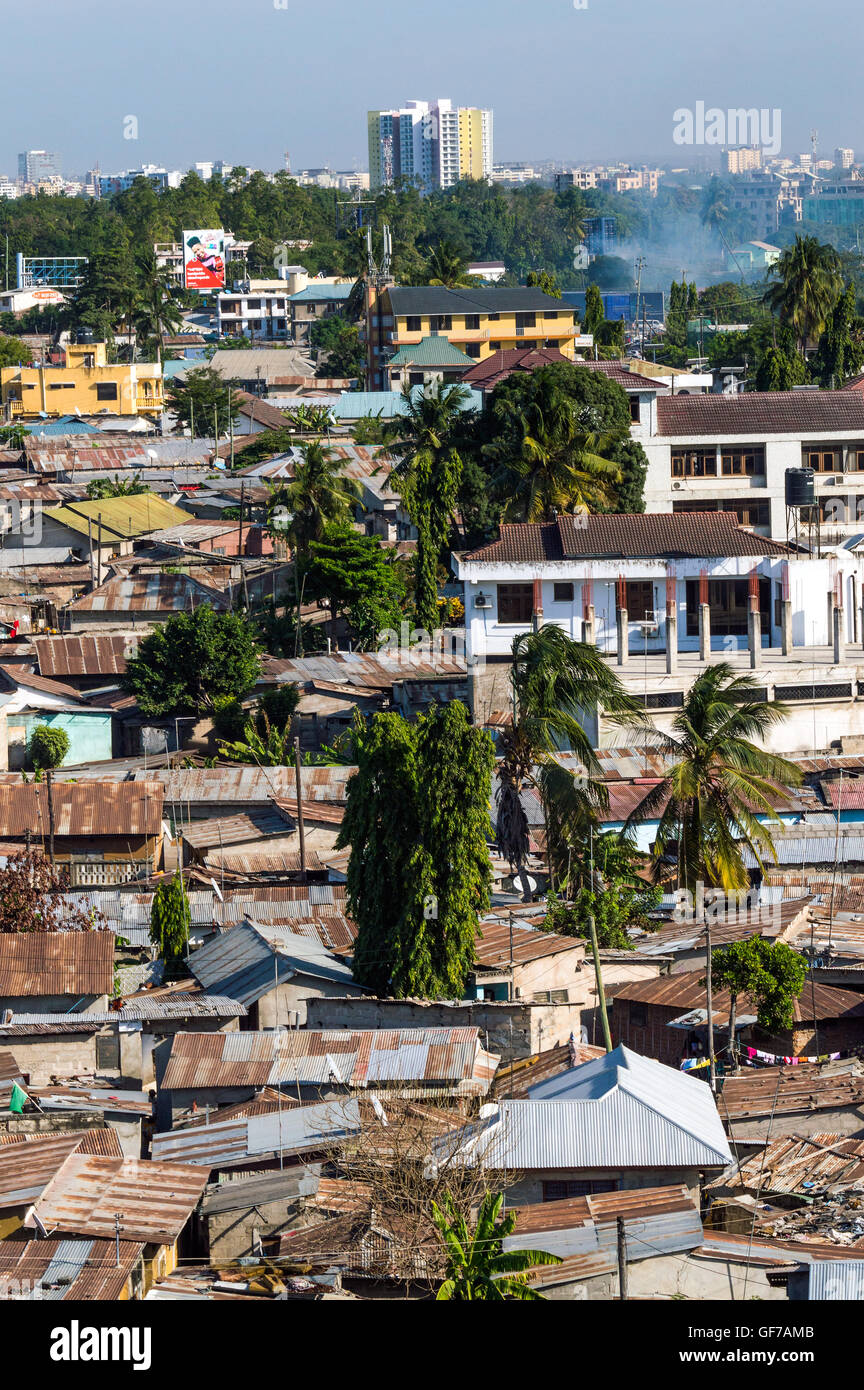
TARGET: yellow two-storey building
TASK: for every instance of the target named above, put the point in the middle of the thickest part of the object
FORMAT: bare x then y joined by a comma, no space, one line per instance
476,321
87,385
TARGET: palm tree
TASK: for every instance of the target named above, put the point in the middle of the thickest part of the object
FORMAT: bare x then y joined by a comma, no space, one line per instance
156,312
719,784
554,682
448,268
561,463
806,288
426,475
478,1269
317,496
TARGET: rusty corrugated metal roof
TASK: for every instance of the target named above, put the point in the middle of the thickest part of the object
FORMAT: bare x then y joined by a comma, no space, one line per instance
155,1200
354,1059
781,1090
84,655
81,808
148,593
33,963
67,1270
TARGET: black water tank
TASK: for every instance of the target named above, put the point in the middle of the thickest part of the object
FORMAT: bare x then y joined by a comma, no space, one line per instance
800,487
85,335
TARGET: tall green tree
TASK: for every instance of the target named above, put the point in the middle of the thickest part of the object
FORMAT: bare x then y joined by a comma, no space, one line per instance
203,401
721,785
595,315
478,1270
170,920
416,821
447,267
557,684
841,347
806,283
340,351
360,578
185,666
427,474
544,280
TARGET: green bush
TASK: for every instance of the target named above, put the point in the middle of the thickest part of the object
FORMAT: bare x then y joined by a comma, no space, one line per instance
229,718
48,746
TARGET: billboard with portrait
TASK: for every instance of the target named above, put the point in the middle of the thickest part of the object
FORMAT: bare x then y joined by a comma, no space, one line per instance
204,259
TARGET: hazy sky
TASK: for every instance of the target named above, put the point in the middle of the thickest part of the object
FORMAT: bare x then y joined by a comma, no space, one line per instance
245,80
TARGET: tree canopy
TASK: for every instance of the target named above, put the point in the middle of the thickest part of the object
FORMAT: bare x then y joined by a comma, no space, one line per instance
195,658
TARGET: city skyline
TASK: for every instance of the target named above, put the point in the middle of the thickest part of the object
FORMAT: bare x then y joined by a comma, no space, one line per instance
250,97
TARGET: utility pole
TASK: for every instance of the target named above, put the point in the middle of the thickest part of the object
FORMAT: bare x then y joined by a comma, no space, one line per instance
639,264
300,825
601,998
622,1259
709,1001
49,782
117,1237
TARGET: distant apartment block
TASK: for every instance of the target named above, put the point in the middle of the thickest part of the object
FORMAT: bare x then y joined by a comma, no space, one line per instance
743,160
431,143
837,204
109,184
36,165
844,158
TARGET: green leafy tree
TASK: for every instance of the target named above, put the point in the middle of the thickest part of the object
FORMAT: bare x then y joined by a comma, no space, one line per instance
278,706
478,1270
203,400
841,347
780,369
544,280
14,353
772,976
341,353
595,314
170,919
427,475
805,286
32,894
48,746
720,782
416,821
195,658
360,578
605,883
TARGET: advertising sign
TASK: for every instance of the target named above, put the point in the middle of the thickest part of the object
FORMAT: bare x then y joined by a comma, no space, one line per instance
204,259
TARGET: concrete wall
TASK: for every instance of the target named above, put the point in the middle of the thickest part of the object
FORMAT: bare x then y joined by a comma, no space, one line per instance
510,1030
287,1006
685,1275
53,1003
232,1234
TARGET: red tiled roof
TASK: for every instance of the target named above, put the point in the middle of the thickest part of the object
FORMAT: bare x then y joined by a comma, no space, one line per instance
500,364
663,535
630,381
761,412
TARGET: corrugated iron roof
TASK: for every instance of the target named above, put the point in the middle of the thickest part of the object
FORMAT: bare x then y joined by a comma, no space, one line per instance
451,1056
821,1164
257,1138
367,670
216,831
83,655
122,518
74,963
148,593
242,784
495,936
685,992
81,809
66,1270
155,1199
784,1090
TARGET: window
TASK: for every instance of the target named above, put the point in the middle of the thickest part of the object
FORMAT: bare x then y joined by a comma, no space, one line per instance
742,463
495,347
106,391
108,1052
824,460
441,323
694,463
638,1015
472,321
494,318
550,313
524,321
640,601
576,1187
413,324
61,385
515,603
635,408
563,593
472,349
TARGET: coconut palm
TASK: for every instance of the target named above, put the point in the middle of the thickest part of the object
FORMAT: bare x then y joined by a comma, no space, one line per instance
806,287
448,268
554,682
719,783
560,464
318,495
478,1269
426,475
156,312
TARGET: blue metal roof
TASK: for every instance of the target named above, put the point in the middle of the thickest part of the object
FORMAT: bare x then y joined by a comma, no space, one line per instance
318,291
67,424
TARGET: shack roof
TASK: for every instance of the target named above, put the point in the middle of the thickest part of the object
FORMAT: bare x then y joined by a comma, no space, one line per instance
75,963
448,1056
84,655
251,1139
81,809
155,1200
122,518
66,1270
808,1087
685,992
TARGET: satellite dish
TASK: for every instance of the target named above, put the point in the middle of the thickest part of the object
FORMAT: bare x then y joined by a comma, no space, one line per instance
152,454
